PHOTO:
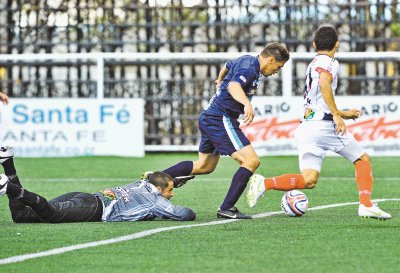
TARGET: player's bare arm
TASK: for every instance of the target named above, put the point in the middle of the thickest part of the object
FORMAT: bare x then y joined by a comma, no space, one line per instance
325,86
222,73
238,94
350,114
4,98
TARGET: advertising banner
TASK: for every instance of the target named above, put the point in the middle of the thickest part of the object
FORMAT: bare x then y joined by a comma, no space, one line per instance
73,127
377,130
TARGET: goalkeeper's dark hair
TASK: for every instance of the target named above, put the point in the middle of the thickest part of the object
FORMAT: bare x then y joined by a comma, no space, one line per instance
159,179
325,38
276,50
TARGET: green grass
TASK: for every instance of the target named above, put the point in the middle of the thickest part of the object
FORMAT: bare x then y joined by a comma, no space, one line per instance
329,240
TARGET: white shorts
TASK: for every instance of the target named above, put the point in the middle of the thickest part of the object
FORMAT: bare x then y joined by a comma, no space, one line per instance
316,138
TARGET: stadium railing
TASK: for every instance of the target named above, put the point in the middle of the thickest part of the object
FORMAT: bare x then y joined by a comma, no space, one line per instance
290,81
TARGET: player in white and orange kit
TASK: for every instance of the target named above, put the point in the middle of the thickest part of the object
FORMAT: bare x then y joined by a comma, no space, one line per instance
322,129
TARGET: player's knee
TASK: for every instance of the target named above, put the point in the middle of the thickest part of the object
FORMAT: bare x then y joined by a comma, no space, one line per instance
256,163
252,164
365,157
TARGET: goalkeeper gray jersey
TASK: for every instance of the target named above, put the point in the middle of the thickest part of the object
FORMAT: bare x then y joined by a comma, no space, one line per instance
139,201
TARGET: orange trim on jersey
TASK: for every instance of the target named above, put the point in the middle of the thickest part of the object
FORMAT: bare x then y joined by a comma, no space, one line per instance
320,70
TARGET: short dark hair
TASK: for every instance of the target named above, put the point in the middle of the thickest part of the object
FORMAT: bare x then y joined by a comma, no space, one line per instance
276,50
325,38
159,179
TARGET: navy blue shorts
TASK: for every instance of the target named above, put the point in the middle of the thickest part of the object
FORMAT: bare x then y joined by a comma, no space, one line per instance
220,135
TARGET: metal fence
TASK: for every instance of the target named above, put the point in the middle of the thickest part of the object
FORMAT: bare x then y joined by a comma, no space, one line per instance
176,86
175,90
195,25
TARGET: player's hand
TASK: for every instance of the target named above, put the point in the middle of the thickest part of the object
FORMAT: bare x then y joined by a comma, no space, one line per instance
248,114
353,114
340,126
4,98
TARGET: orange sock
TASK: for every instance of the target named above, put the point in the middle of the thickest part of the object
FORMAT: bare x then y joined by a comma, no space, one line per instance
285,182
364,180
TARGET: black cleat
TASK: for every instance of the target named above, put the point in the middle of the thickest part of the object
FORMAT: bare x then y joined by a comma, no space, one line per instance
179,181
232,213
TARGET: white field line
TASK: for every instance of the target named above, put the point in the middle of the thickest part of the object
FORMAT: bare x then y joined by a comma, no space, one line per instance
133,236
203,179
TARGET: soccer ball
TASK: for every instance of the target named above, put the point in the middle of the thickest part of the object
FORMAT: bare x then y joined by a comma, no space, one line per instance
294,203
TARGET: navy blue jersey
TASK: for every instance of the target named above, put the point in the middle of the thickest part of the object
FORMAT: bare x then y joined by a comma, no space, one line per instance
245,71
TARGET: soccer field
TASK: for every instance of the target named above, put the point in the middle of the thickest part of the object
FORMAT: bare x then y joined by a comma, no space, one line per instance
325,239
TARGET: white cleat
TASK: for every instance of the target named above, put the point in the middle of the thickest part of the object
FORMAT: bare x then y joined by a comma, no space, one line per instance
373,212
6,153
256,189
3,183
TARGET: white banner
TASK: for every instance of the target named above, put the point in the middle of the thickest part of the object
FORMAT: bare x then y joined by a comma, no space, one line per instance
73,127
378,129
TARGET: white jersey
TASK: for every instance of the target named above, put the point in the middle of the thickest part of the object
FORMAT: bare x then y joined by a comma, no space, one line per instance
318,137
315,107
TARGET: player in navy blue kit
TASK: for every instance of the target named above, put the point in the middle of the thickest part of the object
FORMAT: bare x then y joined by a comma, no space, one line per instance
219,126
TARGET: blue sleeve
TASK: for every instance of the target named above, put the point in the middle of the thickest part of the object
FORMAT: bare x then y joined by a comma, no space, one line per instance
164,209
229,65
244,77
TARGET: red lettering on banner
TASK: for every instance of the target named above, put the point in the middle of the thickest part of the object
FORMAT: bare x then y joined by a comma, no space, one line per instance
366,130
375,128
270,128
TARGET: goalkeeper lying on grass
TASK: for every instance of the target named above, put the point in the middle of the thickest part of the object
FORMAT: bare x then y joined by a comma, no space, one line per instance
146,199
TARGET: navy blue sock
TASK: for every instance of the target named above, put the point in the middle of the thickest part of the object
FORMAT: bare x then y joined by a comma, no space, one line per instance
181,169
239,183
